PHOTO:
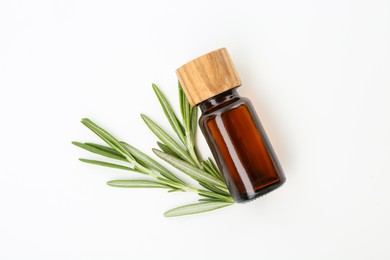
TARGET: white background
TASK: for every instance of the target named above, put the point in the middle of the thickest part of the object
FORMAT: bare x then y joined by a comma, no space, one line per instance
317,72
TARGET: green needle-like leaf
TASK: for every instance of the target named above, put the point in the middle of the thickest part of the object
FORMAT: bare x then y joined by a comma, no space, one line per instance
136,184
182,100
106,164
209,199
193,123
196,208
215,168
168,111
106,149
98,150
174,190
166,149
189,169
148,162
212,188
172,184
107,137
187,114
185,109
166,139
209,168
213,195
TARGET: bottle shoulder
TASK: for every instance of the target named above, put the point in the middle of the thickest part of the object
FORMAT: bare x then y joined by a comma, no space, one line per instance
238,102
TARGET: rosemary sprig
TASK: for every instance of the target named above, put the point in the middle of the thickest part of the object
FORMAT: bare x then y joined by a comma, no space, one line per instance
183,156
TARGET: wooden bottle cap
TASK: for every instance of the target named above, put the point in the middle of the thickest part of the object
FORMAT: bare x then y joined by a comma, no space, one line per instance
207,76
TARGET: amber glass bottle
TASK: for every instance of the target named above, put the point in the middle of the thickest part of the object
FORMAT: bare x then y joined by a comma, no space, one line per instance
231,126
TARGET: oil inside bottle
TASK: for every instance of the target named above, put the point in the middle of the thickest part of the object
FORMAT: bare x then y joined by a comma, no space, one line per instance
240,146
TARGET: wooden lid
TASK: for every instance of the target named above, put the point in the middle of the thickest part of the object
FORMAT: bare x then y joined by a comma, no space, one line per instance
207,76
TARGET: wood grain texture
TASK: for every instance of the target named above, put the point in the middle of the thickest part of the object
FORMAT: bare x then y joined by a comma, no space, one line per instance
207,76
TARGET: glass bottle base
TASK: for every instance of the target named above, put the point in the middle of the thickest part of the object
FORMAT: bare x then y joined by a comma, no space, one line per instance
245,198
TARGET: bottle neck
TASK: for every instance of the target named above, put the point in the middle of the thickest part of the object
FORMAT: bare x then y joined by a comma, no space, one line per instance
219,100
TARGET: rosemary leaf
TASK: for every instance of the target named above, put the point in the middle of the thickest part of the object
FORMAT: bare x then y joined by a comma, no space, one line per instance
136,184
185,109
107,137
211,194
182,101
174,190
172,184
190,117
171,116
187,114
189,169
110,165
215,168
193,123
196,208
166,149
93,149
106,149
150,163
212,188
209,199
208,169
166,139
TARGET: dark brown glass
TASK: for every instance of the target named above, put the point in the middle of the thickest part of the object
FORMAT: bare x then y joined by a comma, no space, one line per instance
240,145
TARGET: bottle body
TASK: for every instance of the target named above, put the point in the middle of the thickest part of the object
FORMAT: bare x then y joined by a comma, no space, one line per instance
240,146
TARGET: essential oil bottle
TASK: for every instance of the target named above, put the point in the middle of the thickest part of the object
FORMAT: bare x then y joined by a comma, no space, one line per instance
231,126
